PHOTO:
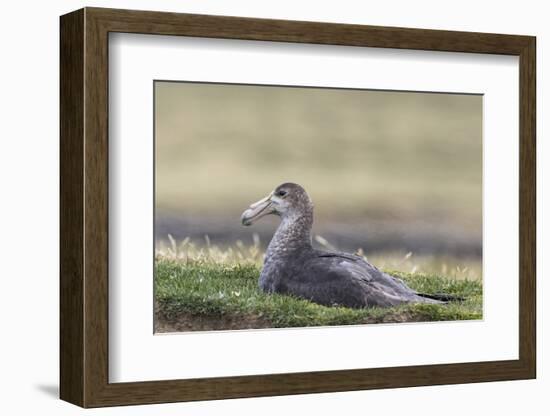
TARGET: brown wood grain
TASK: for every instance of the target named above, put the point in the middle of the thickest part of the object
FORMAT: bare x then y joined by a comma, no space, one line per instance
527,208
71,213
84,207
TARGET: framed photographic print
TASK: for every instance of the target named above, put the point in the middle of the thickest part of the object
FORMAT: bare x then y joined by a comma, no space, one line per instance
255,207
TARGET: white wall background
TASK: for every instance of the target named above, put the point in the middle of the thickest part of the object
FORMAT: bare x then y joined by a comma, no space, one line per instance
29,157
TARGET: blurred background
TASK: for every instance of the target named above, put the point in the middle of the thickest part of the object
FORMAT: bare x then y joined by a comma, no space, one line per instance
395,175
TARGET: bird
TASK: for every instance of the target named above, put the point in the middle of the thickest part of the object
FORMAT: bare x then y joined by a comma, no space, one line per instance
292,266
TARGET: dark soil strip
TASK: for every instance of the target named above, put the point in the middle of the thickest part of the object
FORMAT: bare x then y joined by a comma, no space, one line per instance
185,322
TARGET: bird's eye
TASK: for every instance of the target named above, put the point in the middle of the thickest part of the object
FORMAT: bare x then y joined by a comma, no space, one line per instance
281,193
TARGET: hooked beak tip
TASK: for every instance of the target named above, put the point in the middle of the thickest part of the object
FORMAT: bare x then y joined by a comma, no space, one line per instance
257,210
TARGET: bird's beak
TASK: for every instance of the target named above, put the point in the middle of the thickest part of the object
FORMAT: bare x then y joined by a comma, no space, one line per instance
258,210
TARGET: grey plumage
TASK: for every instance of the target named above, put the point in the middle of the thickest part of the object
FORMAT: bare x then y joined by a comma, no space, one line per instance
293,266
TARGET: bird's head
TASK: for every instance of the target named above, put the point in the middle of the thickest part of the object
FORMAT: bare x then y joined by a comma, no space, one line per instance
288,200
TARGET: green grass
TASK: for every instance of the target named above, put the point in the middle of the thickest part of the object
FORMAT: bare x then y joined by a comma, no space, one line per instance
444,265
202,294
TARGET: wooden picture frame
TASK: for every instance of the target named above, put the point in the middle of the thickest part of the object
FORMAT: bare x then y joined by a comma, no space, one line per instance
84,207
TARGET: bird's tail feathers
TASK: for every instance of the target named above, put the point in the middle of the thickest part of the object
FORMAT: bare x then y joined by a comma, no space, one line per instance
442,297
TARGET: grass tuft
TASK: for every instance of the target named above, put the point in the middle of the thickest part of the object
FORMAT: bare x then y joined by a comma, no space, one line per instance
202,294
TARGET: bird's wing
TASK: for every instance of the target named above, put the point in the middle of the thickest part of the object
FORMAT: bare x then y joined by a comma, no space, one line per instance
389,284
370,271
378,288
